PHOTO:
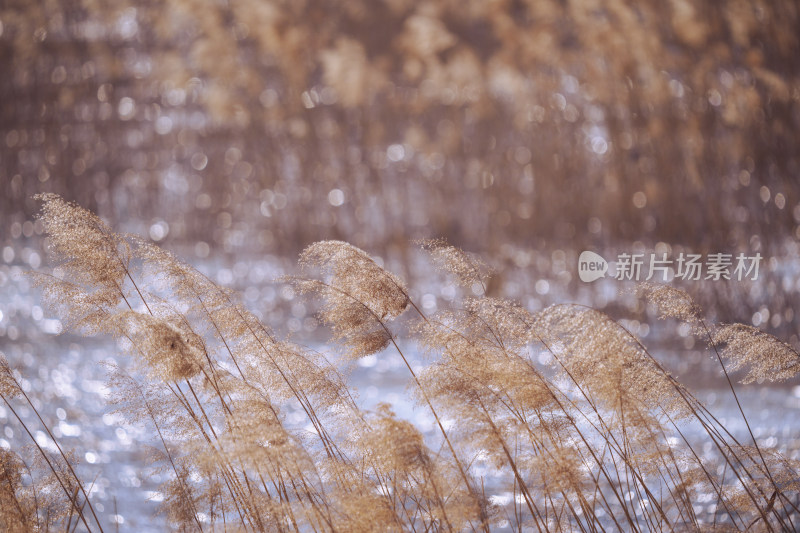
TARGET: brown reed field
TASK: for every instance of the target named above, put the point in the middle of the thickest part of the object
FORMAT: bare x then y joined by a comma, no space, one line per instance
565,409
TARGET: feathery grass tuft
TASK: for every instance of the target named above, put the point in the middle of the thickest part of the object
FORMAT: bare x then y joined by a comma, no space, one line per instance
558,420
766,357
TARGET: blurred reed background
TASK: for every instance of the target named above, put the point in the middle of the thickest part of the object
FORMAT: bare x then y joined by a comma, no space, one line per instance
507,127
525,131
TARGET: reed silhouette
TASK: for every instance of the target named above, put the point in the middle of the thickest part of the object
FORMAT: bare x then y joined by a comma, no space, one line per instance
565,410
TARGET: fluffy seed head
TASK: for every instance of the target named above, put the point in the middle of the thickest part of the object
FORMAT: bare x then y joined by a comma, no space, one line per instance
767,357
360,296
467,269
8,384
595,351
671,302
171,350
352,271
88,249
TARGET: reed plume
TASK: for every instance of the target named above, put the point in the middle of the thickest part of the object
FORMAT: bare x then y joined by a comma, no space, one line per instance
17,503
360,296
766,357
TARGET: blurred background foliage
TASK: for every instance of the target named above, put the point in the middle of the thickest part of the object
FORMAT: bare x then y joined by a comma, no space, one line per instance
505,126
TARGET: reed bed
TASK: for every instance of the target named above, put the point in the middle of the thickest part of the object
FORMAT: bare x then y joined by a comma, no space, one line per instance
565,410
